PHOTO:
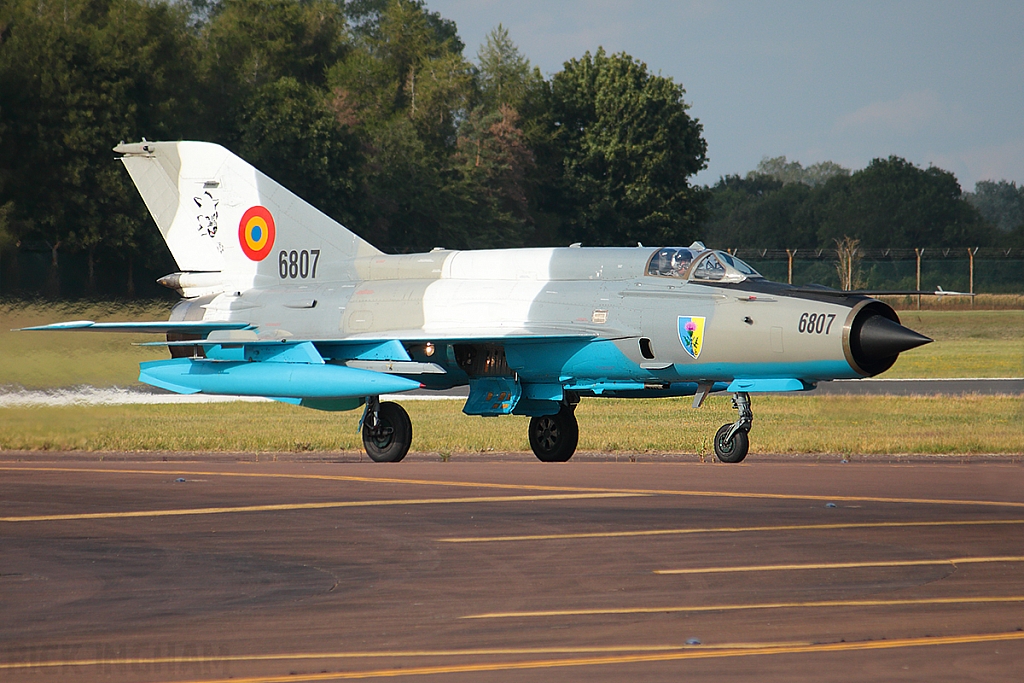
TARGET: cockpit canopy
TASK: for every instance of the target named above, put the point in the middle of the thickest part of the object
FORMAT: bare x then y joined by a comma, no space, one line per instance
699,264
672,262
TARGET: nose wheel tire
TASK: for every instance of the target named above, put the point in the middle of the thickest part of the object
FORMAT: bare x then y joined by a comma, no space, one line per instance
553,438
390,438
731,450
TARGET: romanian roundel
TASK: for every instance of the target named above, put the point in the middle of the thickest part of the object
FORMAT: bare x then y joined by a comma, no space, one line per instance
256,233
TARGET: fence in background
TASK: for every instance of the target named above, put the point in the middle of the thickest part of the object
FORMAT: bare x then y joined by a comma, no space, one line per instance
982,270
989,270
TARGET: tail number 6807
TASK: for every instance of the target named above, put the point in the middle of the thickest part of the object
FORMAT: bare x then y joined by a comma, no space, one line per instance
816,323
297,264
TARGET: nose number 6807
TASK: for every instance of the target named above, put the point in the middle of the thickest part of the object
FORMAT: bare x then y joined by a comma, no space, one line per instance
816,323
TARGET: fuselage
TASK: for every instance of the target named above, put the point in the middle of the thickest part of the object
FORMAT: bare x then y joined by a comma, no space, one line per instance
602,320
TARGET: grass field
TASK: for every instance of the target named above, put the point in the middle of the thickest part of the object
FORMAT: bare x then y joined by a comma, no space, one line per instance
981,302
967,344
43,360
782,424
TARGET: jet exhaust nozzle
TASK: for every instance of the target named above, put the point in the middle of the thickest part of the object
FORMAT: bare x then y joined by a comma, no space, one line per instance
877,338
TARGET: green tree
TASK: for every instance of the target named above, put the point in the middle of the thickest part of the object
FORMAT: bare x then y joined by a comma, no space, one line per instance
731,204
247,45
77,76
403,181
508,84
760,211
439,96
893,203
789,172
627,148
491,166
404,87
1000,203
504,73
366,17
7,238
265,82
401,36
290,131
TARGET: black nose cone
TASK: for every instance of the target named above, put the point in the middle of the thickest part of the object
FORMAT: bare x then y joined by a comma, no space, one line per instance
880,338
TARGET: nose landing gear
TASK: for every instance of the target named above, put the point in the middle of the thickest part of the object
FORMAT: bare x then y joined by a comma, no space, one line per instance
731,441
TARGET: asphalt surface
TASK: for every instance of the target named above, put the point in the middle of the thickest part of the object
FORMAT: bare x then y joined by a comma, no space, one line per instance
506,569
921,387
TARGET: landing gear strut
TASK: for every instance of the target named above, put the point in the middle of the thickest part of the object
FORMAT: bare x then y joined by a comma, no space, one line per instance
731,442
553,438
387,430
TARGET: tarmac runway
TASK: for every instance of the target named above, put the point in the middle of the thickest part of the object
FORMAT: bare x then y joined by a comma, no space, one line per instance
506,569
922,387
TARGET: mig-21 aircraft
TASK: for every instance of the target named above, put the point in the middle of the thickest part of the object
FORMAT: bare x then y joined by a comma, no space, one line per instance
281,301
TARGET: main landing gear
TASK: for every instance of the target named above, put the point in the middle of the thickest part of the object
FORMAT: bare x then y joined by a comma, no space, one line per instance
387,430
731,442
553,438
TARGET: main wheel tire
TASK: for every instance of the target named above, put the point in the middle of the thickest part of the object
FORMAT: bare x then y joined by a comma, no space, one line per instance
553,438
731,450
390,441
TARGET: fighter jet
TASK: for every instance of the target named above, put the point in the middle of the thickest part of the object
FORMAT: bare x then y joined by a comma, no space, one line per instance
281,301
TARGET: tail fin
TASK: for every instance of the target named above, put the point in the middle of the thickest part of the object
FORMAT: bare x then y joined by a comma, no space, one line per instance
218,213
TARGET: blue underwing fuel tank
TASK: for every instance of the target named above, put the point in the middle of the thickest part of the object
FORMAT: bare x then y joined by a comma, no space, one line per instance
242,378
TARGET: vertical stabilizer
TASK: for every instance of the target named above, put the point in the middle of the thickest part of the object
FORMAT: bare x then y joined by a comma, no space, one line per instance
218,213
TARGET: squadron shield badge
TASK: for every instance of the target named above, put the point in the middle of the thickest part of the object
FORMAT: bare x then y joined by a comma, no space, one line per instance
691,334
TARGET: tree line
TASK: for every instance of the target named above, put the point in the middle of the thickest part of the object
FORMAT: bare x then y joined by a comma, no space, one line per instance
891,203
370,110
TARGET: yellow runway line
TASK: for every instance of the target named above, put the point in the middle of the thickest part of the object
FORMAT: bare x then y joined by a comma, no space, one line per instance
308,477
307,656
953,562
537,487
306,506
639,658
725,530
666,609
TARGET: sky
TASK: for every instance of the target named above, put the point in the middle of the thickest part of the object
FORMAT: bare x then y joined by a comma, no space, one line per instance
935,82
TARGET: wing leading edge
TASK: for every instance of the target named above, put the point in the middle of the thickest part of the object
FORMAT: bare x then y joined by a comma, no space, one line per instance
158,327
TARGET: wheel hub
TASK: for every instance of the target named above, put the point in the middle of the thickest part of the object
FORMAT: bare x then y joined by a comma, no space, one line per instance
548,434
382,436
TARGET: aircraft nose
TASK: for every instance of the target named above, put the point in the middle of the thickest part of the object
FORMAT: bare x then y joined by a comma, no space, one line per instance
879,338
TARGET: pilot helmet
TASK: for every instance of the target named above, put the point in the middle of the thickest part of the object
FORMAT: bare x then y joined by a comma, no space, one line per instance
681,260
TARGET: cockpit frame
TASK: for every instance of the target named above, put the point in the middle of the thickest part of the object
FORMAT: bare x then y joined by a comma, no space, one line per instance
698,264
